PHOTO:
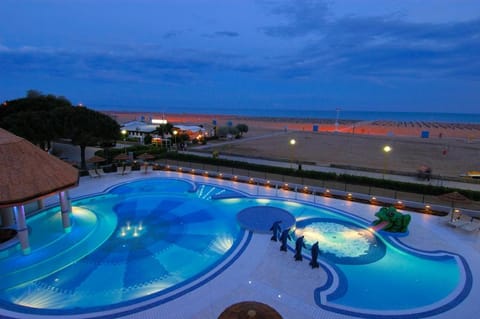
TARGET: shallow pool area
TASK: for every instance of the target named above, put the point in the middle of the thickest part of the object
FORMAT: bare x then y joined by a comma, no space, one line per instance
143,239
145,242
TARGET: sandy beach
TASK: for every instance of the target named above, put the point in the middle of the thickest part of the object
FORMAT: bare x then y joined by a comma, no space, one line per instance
451,149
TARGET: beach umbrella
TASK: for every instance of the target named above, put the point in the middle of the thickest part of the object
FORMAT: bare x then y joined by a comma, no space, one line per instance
249,309
96,159
454,198
145,156
121,157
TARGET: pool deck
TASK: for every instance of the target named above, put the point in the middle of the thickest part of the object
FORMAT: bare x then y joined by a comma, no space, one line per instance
265,274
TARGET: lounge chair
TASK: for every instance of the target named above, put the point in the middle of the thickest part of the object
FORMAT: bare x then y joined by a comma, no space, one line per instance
92,173
473,225
127,170
101,172
459,220
121,170
147,168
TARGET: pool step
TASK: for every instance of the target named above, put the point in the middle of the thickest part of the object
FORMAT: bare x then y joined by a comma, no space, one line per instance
208,191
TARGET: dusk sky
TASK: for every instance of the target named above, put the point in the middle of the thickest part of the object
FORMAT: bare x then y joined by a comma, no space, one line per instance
387,55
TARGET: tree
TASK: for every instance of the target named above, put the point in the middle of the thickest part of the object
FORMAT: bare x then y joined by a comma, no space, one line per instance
32,94
242,128
42,118
165,129
86,127
34,118
225,131
147,140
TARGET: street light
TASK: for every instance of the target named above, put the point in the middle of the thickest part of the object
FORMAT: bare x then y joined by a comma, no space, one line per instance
386,149
175,132
124,134
292,142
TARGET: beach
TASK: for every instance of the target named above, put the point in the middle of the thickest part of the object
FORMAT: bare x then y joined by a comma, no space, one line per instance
449,149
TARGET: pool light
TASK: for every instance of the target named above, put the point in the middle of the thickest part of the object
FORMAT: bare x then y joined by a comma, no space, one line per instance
131,230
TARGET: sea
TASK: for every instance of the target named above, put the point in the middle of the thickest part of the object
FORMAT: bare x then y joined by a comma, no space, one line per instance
313,114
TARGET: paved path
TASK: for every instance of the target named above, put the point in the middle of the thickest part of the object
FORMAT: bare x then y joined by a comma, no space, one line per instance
400,178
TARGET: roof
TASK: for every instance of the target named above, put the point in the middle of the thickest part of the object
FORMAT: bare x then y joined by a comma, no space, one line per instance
139,126
28,173
192,128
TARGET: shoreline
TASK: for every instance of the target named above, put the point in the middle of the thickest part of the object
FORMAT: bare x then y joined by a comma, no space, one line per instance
425,129
451,149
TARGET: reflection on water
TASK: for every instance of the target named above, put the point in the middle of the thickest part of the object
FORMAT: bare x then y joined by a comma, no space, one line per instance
336,239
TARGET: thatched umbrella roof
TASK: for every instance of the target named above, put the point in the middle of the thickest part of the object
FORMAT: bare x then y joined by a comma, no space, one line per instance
27,173
121,157
454,197
249,309
145,156
96,159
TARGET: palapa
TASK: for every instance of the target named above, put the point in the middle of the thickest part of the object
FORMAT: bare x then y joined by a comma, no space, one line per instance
96,159
146,156
28,173
453,198
122,157
250,309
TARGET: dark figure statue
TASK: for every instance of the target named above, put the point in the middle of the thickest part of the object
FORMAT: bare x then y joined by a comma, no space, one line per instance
276,229
283,239
299,244
315,252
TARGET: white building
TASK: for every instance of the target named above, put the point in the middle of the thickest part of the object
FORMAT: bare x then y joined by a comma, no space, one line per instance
138,129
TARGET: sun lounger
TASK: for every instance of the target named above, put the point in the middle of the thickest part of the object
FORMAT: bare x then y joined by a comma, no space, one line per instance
147,168
460,221
124,170
101,172
92,173
128,169
471,226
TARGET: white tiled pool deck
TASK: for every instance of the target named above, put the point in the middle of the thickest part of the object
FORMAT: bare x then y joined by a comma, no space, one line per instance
263,273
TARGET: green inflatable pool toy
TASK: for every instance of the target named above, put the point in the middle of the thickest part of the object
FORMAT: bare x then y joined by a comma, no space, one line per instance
391,220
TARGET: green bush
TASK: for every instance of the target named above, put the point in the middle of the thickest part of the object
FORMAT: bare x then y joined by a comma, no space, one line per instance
343,178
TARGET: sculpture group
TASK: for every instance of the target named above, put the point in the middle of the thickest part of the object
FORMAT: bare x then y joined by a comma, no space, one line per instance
284,236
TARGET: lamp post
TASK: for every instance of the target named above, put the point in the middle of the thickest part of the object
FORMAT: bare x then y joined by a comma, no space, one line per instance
124,134
386,149
175,132
292,142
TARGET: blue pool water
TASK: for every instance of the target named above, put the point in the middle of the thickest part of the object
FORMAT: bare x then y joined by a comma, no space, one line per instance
139,240
146,239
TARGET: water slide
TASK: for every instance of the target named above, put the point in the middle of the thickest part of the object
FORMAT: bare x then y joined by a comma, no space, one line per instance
380,226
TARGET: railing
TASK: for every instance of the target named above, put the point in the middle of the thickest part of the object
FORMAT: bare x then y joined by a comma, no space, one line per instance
423,203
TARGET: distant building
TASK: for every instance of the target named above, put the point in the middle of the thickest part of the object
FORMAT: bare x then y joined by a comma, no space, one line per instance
139,129
193,131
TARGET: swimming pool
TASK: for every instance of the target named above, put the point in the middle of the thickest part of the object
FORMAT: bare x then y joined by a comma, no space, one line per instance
154,239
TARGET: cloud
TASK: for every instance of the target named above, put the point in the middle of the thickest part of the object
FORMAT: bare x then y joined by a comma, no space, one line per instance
123,63
384,46
172,34
223,34
302,17
227,34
